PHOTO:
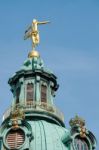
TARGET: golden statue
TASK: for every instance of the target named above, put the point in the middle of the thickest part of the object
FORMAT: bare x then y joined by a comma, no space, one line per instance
33,33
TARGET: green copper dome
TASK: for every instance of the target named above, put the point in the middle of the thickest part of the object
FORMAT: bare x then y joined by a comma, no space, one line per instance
33,117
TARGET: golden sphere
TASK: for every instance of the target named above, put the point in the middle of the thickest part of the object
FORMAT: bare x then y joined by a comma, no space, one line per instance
33,53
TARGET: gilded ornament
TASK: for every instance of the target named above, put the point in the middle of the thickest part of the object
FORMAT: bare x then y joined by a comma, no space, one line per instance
33,32
77,121
33,53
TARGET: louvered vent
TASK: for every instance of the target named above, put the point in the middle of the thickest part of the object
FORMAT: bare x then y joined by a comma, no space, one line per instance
81,144
15,138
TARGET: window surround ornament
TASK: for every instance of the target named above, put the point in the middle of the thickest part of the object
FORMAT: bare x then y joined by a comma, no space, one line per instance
79,131
25,127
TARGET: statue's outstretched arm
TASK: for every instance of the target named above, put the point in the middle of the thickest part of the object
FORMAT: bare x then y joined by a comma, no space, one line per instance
43,22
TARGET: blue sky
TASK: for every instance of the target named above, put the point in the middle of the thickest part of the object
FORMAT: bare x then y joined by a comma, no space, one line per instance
69,46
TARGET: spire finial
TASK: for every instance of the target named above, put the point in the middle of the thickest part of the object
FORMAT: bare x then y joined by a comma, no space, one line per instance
33,33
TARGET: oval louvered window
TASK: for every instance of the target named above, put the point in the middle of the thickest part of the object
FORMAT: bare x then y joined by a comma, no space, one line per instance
15,139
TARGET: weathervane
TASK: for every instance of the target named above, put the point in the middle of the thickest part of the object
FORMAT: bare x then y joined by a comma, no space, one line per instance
33,33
